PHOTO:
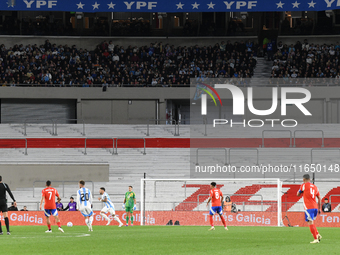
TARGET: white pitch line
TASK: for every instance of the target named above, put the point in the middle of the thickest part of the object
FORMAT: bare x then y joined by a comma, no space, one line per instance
66,235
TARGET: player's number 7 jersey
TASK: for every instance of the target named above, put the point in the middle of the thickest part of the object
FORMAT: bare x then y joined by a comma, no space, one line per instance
49,194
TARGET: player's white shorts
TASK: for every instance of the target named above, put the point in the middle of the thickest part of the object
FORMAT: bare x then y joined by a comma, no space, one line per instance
111,210
86,210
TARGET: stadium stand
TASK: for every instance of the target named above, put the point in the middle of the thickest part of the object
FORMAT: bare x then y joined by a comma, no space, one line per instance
306,60
130,165
114,65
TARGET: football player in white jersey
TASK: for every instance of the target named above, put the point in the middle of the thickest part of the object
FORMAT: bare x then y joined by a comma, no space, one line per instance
84,204
109,207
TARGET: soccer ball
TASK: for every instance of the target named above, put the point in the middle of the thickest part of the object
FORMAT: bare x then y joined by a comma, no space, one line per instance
69,224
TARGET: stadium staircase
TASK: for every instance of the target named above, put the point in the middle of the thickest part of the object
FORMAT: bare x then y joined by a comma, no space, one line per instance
263,68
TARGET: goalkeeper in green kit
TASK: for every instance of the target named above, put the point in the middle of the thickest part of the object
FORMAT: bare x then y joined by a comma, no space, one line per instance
129,205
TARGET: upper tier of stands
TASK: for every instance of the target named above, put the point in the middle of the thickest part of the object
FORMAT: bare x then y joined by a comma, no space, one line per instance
306,60
116,65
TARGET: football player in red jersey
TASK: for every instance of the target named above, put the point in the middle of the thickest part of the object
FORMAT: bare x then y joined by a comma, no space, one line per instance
310,192
48,196
216,198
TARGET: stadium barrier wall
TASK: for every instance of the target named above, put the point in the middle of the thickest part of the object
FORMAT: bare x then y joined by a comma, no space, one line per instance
315,39
31,172
37,218
138,105
91,42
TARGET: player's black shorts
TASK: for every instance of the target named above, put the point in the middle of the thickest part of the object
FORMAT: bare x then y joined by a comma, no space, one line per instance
3,206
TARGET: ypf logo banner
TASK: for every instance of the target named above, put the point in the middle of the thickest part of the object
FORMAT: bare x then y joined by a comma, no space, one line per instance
239,103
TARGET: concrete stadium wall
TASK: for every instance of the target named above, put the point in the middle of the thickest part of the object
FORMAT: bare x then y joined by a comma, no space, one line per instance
118,111
23,175
90,43
112,106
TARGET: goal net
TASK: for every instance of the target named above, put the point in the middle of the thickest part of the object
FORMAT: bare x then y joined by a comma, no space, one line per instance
247,202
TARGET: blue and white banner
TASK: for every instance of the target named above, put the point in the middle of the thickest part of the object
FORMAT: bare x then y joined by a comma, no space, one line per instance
168,5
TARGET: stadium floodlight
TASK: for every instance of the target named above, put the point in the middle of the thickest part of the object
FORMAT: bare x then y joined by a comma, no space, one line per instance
254,201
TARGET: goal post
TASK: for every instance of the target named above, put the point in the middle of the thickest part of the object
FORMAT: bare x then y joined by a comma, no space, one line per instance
254,201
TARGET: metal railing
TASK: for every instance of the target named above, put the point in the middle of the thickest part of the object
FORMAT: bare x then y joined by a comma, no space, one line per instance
127,138
170,205
240,195
322,145
198,198
246,206
27,121
99,138
240,149
321,149
290,133
330,198
225,154
205,126
183,121
158,120
85,85
252,195
249,82
111,195
155,190
97,205
17,139
112,198
56,126
29,204
63,184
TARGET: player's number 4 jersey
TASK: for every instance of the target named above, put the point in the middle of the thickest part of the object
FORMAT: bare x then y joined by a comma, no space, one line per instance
310,192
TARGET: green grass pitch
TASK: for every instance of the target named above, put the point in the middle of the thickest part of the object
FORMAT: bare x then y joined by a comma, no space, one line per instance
168,240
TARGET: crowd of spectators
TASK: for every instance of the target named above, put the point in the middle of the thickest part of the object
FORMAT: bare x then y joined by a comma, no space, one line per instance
306,60
113,65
